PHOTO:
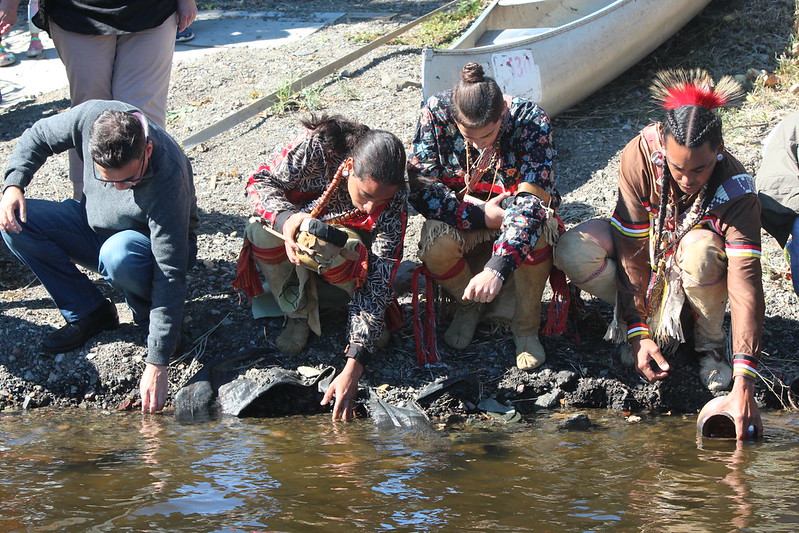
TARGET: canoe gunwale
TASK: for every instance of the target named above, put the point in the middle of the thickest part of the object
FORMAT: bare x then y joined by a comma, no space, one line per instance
521,42
564,65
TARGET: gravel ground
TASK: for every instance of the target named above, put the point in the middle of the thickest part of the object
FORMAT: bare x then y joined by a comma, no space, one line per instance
383,90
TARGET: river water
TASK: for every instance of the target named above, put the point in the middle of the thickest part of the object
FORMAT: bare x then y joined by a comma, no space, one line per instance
71,470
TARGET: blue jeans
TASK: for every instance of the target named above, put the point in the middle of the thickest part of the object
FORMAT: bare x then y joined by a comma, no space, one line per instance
57,237
793,252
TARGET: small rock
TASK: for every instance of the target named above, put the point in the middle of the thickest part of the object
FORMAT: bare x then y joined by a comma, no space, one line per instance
549,400
578,422
633,419
125,405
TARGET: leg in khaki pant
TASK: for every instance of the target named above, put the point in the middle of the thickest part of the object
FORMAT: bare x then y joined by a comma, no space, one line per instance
294,288
440,255
585,253
289,295
703,263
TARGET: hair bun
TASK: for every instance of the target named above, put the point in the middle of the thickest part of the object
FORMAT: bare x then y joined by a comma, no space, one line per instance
472,73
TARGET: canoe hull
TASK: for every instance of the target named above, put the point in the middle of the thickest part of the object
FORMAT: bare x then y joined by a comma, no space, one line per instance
562,65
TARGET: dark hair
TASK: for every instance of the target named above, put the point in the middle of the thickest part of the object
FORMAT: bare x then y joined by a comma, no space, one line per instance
477,99
380,155
117,138
337,135
692,126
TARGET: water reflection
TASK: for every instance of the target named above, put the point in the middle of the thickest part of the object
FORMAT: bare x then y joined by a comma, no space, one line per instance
77,471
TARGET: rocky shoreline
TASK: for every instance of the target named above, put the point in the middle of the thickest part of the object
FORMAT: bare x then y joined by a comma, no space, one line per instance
382,89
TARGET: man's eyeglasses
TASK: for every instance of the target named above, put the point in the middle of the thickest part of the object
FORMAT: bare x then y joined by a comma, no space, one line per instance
134,179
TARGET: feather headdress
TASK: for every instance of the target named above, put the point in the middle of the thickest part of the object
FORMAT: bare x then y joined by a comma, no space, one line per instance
676,88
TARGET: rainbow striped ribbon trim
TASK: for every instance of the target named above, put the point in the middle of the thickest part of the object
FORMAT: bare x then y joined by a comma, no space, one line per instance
739,249
635,330
629,229
745,365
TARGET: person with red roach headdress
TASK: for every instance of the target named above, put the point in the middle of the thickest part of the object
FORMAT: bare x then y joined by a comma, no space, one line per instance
686,228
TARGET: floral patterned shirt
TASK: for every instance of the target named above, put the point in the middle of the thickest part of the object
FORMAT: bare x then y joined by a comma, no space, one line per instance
299,175
526,151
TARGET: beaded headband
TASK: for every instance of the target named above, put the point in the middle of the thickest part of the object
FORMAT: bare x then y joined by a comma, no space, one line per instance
676,88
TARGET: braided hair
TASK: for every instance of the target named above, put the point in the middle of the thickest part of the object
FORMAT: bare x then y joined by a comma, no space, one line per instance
689,98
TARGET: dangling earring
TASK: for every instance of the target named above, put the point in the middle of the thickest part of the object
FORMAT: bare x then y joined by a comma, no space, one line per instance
719,157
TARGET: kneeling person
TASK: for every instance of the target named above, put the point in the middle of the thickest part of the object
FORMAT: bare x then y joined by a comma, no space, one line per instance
481,174
686,228
347,176
135,225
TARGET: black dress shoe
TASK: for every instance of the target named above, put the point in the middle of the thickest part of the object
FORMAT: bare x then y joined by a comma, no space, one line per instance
75,334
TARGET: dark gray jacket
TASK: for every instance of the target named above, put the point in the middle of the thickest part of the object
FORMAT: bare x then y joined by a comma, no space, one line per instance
162,206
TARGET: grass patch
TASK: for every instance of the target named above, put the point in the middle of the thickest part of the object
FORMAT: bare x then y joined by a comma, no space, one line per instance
308,98
363,37
347,90
442,30
438,32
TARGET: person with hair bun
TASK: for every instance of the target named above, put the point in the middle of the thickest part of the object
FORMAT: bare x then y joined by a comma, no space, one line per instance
686,227
330,213
481,174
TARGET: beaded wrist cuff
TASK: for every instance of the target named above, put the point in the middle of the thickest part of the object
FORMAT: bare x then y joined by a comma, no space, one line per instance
496,272
746,366
636,330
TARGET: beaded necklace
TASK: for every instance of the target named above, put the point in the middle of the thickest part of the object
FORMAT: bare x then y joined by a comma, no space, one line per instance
664,241
487,158
318,206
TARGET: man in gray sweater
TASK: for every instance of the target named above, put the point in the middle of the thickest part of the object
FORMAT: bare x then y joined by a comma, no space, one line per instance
135,225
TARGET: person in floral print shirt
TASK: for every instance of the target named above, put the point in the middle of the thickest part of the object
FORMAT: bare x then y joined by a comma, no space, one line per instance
481,174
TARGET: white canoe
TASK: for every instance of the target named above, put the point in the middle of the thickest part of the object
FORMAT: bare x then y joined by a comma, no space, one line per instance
557,52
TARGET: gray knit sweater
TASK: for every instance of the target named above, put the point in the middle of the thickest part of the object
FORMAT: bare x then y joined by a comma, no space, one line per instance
162,206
